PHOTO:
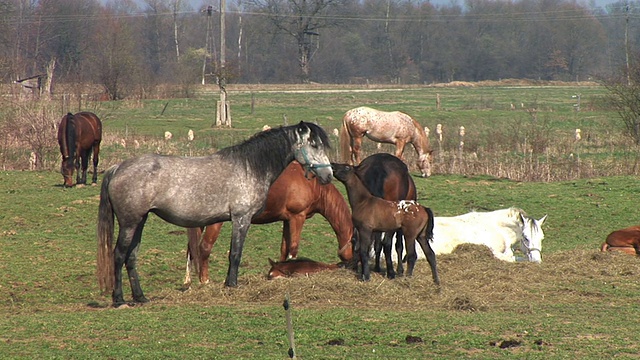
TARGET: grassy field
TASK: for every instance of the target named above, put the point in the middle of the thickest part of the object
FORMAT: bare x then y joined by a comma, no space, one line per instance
577,304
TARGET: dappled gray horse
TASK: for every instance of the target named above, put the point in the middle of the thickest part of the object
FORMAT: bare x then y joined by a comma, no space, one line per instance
230,185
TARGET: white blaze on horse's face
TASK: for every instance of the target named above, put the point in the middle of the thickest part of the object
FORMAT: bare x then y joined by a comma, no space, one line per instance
424,164
310,154
533,235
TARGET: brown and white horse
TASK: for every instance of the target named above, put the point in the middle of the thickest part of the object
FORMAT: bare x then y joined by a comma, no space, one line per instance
394,127
371,214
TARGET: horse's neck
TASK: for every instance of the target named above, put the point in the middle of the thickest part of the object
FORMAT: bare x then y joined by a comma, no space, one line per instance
419,140
333,207
356,191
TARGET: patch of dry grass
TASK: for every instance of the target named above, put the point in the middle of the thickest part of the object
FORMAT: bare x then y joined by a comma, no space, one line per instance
472,280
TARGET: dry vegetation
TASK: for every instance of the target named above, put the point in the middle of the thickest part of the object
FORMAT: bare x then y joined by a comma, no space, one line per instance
472,280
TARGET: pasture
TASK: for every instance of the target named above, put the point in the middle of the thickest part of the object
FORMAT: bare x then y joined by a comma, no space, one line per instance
578,303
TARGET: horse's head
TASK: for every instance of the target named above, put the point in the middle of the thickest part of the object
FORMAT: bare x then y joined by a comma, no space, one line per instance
424,164
532,237
67,171
311,143
342,171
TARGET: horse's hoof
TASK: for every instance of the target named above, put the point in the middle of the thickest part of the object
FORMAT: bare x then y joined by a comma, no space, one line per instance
79,185
119,304
391,276
141,300
94,184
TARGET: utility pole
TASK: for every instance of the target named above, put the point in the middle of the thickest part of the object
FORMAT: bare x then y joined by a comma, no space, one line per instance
222,116
209,46
626,43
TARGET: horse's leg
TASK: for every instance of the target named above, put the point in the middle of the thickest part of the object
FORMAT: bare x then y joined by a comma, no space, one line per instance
400,148
85,165
387,244
130,264
355,149
209,237
77,165
96,151
365,238
431,258
412,256
377,246
399,250
125,254
241,226
293,236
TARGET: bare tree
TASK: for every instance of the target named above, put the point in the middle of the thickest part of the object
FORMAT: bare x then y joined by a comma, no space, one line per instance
624,96
302,20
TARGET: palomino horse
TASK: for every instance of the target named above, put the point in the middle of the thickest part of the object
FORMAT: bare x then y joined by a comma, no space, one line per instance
385,127
230,185
292,199
371,214
625,240
387,177
502,231
78,135
296,267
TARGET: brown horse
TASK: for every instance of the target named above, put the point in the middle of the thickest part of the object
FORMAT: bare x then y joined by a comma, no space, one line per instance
296,267
78,135
385,127
387,177
625,240
292,199
371,214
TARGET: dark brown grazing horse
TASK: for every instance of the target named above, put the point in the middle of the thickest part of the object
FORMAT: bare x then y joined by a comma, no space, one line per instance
293,198
370,214
296,267
625,240
78,135
387,177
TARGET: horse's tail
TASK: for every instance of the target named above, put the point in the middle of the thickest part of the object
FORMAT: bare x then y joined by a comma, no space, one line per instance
70,136
430,223
345,142
193,248
105,261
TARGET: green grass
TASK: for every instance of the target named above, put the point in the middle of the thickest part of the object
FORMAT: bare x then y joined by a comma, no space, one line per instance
51,305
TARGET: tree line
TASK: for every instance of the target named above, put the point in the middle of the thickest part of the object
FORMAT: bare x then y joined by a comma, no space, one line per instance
129,47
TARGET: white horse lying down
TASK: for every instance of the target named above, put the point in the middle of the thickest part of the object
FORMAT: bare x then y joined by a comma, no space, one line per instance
501,230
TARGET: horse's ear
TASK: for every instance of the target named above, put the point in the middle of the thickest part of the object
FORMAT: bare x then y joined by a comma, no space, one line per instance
523,217
271,262
541,221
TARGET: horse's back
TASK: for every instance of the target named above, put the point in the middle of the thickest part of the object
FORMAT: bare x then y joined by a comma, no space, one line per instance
624,237
381,126
185,191
387,177
94,124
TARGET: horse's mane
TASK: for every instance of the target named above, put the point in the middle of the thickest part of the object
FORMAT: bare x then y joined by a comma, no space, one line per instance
69,136
268,152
